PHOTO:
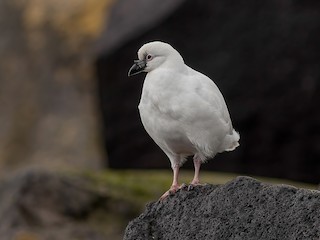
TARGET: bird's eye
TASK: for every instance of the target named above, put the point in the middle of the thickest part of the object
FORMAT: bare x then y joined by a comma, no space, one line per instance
149,57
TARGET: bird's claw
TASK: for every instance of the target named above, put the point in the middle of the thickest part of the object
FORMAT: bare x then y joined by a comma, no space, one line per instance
173,189
187,187
183,186
190,187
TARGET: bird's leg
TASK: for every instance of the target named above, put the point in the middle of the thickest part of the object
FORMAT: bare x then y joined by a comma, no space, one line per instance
175,185
197,164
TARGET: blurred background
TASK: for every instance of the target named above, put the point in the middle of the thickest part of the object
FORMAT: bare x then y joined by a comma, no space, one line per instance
67,105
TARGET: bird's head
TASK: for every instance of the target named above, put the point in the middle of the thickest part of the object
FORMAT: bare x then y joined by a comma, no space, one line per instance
153,55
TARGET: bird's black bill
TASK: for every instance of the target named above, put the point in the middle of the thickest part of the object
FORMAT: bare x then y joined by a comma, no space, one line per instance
137,67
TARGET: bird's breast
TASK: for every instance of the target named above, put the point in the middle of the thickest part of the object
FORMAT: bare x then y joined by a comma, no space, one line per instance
165,128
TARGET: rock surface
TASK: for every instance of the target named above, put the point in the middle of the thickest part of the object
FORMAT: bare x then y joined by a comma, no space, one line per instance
243,208
43,205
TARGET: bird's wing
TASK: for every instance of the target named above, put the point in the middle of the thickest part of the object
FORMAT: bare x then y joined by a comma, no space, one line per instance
204,113
189,97
205,98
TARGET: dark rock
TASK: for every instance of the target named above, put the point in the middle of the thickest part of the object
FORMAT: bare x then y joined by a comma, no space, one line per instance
241,209
50,206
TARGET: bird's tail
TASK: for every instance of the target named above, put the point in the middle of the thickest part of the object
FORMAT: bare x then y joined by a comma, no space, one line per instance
231,141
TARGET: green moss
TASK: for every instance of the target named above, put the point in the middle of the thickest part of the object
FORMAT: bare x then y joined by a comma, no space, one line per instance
137,187
142,186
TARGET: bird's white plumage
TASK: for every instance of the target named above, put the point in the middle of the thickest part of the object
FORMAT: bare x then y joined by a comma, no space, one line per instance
181,109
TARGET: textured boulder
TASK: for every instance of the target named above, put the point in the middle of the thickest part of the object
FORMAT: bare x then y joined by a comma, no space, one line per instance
44,205
243,208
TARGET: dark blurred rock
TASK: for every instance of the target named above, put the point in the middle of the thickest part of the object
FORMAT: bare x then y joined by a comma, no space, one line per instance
241,209
45,205
263,56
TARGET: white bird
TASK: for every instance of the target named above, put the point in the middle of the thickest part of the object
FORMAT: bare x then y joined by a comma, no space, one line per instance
182,110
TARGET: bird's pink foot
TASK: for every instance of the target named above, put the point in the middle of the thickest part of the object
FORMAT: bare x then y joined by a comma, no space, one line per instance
194,184
173,189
